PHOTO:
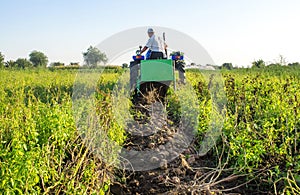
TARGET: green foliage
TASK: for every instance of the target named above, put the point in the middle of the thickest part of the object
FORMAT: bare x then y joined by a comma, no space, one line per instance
74,64
281,60
55,64
40,149
294,64
111,69
261,130
38,59
42,152
264,125
273,65
124,65
227,66
22,63
93,56
9,64
2,63
258,64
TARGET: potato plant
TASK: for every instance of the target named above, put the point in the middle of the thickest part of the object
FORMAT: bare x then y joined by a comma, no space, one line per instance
42,152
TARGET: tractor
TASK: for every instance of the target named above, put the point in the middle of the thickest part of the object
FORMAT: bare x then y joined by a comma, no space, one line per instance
157,73
154,76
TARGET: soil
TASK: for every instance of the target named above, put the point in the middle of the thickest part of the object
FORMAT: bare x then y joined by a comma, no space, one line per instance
184,173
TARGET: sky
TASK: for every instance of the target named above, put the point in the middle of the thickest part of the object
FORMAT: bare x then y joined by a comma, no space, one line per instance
236,31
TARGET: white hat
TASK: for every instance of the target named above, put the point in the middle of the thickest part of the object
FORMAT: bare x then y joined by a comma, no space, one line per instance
150,30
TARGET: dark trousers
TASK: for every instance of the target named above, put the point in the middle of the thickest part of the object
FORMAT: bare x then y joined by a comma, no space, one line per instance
156,55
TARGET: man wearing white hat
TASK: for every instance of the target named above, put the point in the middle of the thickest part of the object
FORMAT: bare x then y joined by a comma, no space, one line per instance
155,46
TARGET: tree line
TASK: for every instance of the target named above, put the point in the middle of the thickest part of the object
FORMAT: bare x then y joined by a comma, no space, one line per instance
36,59
262,64
92,57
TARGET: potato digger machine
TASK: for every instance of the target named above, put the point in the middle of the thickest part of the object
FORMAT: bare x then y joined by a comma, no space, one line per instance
156,76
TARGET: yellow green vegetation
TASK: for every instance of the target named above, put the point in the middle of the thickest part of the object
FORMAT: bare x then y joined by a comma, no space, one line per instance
41,150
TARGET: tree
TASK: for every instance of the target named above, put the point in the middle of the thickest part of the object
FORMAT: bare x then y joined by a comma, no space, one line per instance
22,63
74,64
258,64
227,66
273,65
294,64
53,64
281,60
10,64
93,56
124,65
2,64
38,59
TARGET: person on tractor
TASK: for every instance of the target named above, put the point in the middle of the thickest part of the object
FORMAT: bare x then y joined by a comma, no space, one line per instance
155,45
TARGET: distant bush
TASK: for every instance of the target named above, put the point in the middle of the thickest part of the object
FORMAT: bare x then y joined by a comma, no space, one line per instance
53,64
227,66
74,64
124,65
22,63
294,64
258,64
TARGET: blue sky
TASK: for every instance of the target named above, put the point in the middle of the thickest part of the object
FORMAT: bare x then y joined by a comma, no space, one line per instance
236,31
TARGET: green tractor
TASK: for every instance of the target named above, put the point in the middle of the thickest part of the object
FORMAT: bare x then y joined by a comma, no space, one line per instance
151,79
158,74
